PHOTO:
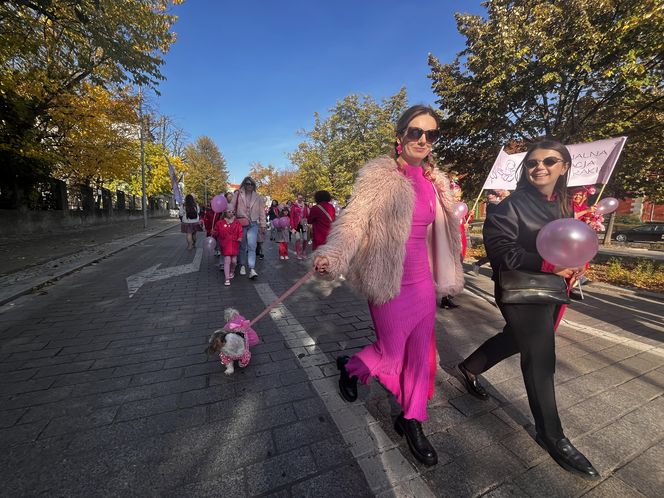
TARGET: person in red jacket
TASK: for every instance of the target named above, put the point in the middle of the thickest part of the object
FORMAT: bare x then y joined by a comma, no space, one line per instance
229,234
321,217
209,219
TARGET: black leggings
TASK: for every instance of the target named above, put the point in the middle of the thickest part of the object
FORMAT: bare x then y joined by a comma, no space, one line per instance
528,330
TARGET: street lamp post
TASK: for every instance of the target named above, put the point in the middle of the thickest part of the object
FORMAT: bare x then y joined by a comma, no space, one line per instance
144,198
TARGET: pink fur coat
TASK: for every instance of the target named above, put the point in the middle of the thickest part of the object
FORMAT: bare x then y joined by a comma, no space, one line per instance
367,243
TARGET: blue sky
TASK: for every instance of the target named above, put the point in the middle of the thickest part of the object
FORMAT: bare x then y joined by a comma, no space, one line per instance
251,74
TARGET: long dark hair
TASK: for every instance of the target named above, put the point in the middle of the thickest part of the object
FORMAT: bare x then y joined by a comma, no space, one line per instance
190,207
402,125
322,196
560,188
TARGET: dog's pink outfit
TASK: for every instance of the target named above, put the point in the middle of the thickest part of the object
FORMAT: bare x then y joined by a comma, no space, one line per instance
240,325
401,356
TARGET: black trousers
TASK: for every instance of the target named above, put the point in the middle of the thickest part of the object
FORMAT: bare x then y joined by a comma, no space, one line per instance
529,331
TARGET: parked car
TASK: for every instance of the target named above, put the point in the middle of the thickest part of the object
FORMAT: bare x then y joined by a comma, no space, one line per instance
652,232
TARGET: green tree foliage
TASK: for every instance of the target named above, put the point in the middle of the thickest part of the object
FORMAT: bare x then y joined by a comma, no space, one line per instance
357,129
206,172
48,49
577,70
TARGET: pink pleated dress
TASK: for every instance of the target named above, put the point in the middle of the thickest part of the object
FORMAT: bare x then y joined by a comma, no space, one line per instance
401,356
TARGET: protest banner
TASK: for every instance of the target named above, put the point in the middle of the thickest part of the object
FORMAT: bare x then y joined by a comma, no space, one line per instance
592,163
174,182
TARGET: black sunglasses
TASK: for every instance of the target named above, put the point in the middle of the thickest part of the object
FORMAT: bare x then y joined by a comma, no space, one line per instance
248,184
547,161
415,133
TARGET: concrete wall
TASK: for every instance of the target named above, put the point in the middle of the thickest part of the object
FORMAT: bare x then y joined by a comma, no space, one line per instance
16,221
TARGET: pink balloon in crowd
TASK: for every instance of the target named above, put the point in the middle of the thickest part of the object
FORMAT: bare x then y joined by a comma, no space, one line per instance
210,244
567,242
607,205
219,203
461,210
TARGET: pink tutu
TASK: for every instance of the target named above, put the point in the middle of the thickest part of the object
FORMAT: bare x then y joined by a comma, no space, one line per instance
241,324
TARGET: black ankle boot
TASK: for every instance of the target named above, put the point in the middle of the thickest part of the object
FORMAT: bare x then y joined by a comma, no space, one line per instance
347,384
418,443
568,457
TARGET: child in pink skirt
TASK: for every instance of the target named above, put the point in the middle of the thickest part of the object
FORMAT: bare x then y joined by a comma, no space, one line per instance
229,234
281,226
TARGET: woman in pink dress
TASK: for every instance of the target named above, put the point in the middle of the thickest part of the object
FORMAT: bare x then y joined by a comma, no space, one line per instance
299,213
397,243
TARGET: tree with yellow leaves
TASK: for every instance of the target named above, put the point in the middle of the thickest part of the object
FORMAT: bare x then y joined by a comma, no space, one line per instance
48,49
274,183
96,136
205,171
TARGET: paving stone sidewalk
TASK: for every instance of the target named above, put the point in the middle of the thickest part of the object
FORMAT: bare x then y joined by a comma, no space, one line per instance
30,261
102,394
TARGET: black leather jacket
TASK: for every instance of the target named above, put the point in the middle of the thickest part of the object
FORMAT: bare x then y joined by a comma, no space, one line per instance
511,229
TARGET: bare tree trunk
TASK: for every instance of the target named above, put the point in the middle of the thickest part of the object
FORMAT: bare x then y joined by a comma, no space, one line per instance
609,230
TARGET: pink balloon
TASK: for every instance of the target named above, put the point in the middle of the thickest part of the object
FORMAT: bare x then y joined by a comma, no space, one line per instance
460,210
607,205
567,242
219,203
210,244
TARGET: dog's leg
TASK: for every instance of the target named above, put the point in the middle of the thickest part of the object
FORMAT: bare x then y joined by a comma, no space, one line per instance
229,369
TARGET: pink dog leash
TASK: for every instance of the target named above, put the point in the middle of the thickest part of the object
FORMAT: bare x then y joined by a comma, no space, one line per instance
278,301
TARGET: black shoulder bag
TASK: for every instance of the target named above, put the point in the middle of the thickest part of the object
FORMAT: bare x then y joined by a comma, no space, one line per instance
526,287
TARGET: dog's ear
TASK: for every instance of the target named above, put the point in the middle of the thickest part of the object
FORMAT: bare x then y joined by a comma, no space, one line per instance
215,344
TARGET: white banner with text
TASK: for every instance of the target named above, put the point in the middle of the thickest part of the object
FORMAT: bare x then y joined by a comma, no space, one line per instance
592,163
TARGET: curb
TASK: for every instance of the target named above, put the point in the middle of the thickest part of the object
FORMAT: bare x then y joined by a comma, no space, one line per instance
626,291
40,282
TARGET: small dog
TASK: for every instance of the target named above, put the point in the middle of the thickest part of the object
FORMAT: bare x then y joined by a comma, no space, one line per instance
233,341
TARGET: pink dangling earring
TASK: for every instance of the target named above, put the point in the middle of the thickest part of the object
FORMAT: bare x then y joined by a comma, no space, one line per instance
399,149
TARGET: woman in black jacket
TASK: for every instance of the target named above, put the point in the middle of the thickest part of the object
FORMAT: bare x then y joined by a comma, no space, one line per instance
509,237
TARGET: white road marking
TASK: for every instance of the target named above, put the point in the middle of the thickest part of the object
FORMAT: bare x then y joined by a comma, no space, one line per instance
383,464
590,296
152,274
